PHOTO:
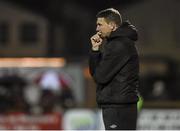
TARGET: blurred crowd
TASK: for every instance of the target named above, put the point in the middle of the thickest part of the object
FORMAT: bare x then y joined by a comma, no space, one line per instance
47,92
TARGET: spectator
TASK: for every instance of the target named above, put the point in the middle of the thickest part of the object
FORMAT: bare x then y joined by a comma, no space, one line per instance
56,90
12,98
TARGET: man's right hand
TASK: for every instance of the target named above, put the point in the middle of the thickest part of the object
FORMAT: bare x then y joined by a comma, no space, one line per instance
96,41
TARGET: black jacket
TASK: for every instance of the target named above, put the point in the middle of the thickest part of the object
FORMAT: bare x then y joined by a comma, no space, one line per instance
116,68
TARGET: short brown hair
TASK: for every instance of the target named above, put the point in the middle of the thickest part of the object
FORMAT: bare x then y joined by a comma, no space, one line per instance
110,15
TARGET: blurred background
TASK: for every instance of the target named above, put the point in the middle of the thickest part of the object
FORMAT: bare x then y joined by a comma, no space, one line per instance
44,77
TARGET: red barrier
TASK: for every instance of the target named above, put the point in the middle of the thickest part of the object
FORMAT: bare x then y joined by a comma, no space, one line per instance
20,121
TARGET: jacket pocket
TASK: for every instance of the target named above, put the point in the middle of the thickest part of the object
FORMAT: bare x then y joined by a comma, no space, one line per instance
104,95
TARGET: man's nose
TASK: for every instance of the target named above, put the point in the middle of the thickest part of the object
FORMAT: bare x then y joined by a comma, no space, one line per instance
97,29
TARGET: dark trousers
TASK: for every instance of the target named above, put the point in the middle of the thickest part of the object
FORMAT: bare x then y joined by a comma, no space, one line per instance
120,118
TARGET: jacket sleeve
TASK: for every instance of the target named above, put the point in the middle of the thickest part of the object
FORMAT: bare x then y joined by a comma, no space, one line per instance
95,57
109,65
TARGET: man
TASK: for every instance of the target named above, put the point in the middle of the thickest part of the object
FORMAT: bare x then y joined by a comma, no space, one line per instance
114,65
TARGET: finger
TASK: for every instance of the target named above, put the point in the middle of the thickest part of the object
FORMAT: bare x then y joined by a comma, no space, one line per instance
99,33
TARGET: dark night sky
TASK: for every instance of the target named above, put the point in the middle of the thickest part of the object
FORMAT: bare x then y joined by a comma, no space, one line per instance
44,6
52,8
58,12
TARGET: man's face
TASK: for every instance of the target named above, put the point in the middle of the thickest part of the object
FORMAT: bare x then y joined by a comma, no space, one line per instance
103,28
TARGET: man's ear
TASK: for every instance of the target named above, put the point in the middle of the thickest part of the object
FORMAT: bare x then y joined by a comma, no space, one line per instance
112,26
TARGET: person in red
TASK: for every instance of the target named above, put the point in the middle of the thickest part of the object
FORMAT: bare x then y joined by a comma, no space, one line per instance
56,90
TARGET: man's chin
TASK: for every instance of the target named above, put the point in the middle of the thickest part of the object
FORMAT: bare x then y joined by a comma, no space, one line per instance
102,36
